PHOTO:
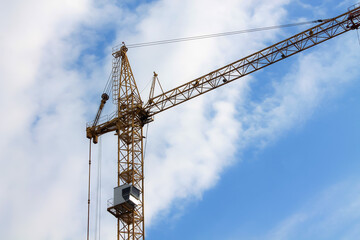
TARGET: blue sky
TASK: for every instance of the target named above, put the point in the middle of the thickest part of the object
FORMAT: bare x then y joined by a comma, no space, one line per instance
288,176
279,180
274,155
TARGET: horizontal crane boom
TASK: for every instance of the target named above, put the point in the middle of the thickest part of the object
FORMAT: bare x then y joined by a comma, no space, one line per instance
256,61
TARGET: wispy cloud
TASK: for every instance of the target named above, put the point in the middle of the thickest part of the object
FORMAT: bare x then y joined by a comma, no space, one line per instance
42,151
201,146
189,146
333,214
49,76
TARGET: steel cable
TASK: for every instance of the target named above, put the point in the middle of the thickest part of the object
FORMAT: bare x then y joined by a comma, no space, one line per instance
184,39
98,195
88,217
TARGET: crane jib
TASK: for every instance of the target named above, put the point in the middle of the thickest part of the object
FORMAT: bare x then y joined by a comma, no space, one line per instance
256,61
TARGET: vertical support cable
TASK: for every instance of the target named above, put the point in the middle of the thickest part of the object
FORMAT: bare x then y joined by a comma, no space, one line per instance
142,178
88,220
118,176
98,195
357,32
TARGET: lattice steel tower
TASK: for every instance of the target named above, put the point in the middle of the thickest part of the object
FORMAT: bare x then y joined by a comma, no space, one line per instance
132,114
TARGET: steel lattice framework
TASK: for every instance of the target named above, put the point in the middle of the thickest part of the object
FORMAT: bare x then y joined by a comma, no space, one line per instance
256,61
130,145
132,114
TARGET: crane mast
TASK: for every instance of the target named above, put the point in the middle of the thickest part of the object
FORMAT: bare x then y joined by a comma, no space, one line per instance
129,131
132,114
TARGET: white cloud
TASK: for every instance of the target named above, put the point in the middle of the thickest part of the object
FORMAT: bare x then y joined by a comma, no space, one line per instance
41,156
190,145
48,78
333,214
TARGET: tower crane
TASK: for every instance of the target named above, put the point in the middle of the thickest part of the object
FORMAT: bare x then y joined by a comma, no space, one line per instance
132,114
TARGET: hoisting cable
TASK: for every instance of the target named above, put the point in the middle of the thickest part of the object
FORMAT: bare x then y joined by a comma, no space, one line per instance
88,217
184,39
108,85
147,128
98,194
148,83
357,32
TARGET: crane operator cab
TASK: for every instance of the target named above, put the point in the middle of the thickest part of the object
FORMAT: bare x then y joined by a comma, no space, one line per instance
126,197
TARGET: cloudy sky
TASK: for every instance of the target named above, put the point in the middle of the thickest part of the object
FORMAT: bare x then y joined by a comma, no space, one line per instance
274,155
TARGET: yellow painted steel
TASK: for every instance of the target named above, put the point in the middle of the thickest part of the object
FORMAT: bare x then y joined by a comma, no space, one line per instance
132,114
256,61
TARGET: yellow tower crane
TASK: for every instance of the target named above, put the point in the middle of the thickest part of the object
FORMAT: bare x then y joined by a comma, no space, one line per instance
132,113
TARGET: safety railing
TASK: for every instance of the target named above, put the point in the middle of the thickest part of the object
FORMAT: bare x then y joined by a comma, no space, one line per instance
110,203
354,6
103,119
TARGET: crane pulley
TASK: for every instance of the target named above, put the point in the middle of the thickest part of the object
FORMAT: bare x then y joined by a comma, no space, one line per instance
132,114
